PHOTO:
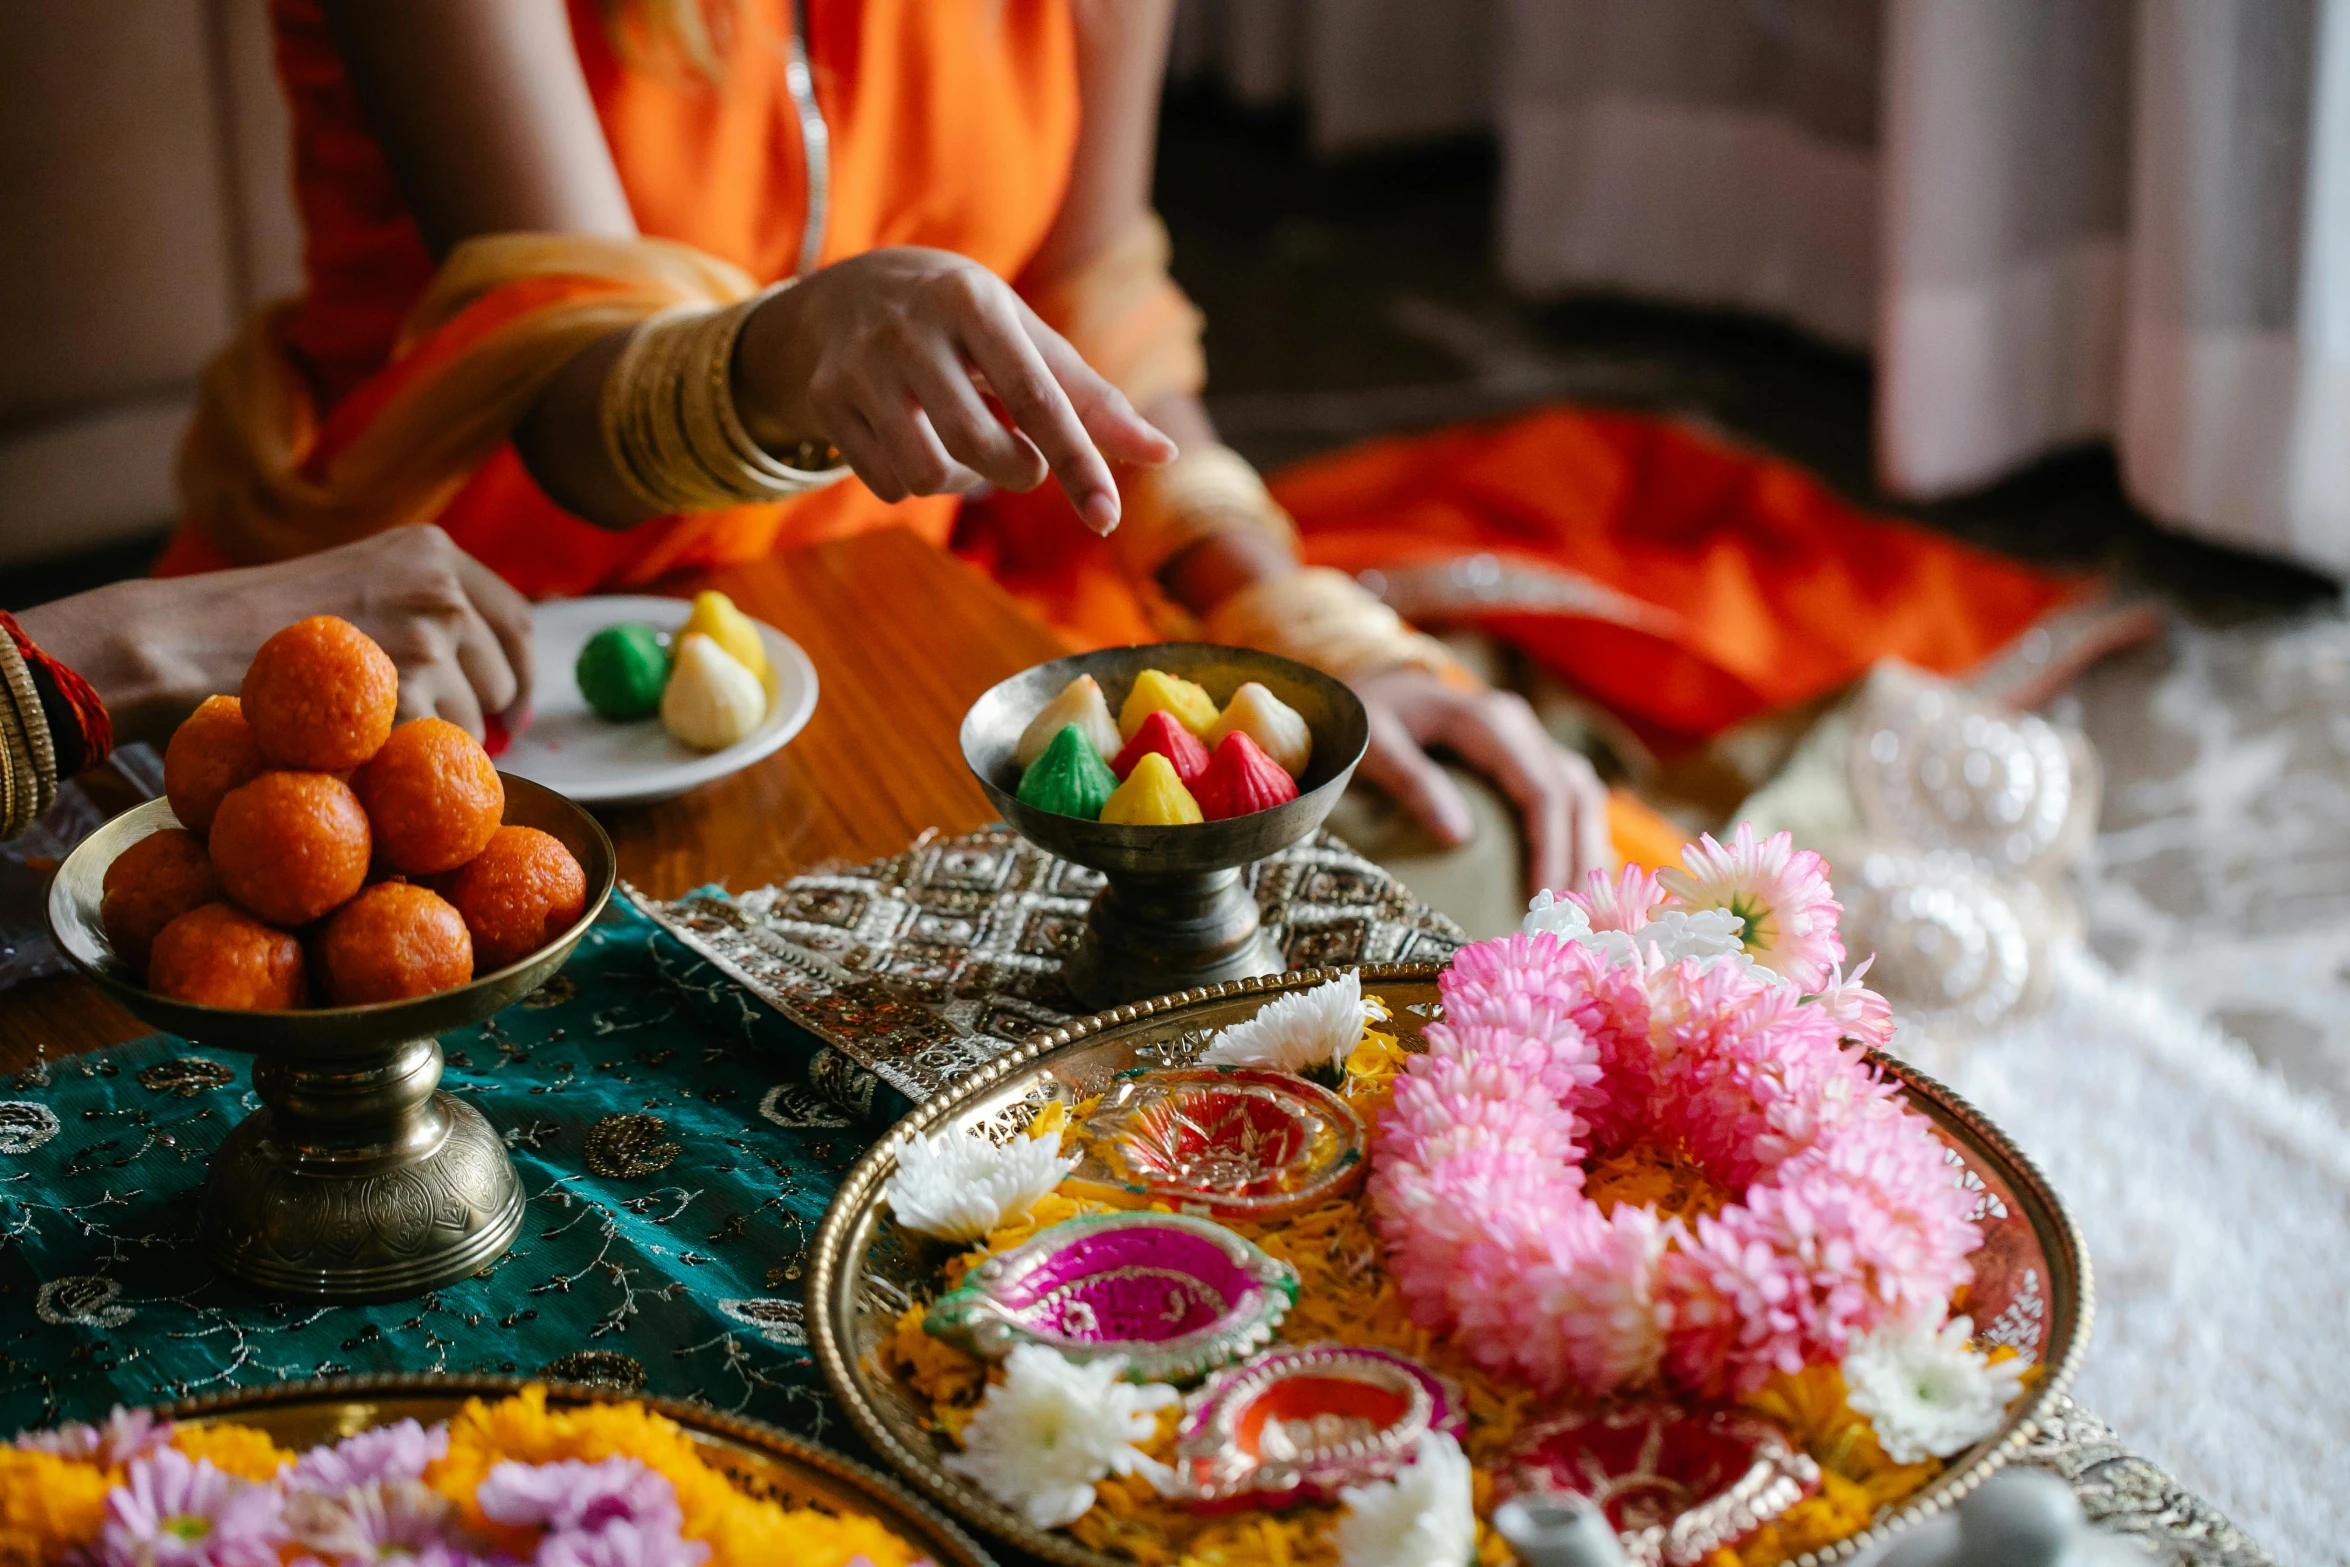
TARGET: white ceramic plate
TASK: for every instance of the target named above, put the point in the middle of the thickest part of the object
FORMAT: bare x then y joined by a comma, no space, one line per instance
598,762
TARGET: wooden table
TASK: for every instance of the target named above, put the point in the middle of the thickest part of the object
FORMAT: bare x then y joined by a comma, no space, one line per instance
903,639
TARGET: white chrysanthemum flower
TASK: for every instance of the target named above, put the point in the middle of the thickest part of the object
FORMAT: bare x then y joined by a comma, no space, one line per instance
1051,1428
1304,1031
958,1187
1667,936
1424,1517
1709,935
1927,1392
1562,917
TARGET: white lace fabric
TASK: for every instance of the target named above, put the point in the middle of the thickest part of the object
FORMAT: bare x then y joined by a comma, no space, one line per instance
2216,1205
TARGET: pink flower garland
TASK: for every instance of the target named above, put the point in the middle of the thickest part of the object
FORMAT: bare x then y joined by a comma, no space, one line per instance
1572,1040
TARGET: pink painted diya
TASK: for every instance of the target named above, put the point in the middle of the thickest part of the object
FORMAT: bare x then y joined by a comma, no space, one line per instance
1176,1296
1675,1483
1232,1144
1302,1422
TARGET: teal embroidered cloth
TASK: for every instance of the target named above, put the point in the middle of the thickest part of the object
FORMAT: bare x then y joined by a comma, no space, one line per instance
675,1163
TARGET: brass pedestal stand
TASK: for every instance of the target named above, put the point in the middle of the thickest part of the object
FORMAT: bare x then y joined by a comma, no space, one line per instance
1177,913
358,1179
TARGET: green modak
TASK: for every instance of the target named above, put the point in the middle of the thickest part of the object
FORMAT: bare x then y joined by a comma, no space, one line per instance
621,671
1070,779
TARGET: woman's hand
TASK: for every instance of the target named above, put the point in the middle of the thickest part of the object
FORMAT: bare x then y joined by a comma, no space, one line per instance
890,356
155,647
1559,798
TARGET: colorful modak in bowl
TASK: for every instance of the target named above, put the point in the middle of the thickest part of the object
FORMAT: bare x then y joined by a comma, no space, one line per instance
1169,768
1643,1218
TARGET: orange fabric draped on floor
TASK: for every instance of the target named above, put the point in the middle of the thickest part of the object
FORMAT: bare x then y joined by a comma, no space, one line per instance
1754,587
1777,591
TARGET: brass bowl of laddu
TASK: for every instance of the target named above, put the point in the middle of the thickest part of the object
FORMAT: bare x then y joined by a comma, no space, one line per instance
358,1179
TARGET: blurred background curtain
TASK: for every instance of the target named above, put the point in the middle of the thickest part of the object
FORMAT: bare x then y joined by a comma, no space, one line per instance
2052,221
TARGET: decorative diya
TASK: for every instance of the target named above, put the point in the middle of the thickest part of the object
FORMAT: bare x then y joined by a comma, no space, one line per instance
1305,1421
1674,1483
1235,1144
1176,1296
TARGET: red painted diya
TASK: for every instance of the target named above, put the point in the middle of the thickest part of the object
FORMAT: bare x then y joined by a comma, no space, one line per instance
1676,1484
1302,1422
1239,1144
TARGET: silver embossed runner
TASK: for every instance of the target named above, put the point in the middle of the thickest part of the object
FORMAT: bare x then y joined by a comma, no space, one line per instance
914,970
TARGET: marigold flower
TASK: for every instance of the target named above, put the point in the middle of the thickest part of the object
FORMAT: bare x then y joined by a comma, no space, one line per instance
232,1449
48,1506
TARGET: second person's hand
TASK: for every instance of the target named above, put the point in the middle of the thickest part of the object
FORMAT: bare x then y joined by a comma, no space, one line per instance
155,647
1559,798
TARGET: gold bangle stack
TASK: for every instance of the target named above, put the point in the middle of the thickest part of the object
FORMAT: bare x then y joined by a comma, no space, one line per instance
1206,492
670,425
1327,619
28,759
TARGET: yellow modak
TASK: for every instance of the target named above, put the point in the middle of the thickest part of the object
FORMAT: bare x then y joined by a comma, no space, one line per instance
714,616
1152,796
1154,691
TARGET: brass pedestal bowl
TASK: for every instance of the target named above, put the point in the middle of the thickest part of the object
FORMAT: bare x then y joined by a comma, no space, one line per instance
1176,913
358,1179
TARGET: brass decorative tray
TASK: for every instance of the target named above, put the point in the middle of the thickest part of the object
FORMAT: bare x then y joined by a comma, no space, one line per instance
759,1458
2032,1285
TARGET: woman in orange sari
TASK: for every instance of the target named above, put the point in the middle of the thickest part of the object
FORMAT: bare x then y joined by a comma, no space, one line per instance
536,235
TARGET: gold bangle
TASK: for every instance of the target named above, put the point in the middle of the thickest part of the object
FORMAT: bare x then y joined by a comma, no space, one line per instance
1327,619
10,743
1207,492
688,438
41,752
670,427
17,807
677,460
625,412
814,463
722,449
